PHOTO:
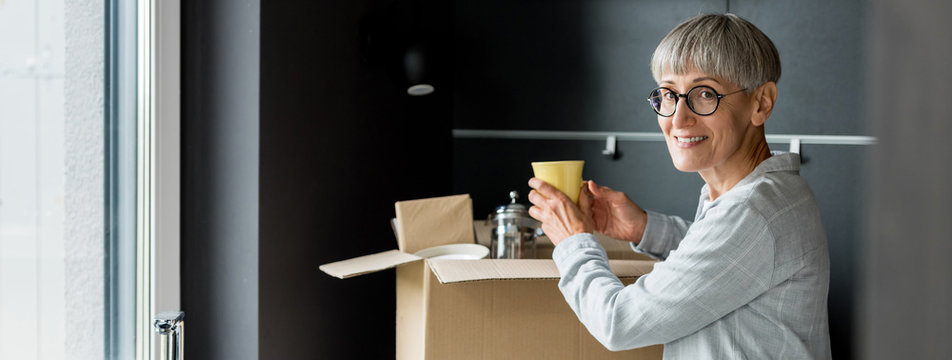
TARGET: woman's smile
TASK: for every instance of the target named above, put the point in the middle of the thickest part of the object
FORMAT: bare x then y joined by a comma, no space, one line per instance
716,144
689,141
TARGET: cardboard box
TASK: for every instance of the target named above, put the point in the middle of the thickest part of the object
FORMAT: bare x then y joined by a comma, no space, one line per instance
481,309
616,249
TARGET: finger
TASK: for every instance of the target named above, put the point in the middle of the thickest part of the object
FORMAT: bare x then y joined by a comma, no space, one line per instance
534,197
544,188
536,213
585,192
593,188
586,188
601,190
585,203
535,182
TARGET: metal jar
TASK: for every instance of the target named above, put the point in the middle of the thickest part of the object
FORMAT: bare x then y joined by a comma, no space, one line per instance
513,231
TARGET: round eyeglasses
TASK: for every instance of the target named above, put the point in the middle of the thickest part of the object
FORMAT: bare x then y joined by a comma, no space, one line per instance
702,100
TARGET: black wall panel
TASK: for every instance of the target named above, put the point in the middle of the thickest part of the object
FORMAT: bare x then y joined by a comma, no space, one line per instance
341,141
560,65
296,145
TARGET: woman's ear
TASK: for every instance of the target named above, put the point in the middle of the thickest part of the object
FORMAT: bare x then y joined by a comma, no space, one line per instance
764,99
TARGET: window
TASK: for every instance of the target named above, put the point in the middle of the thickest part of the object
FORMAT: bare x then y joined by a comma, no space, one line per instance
88,176
34,254
120,179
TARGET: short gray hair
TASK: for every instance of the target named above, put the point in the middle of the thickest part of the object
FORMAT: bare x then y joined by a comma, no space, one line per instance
721,45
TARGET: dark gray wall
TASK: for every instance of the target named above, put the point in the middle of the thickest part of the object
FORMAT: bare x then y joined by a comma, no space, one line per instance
906,289
822,51
220,157
297,142
584,66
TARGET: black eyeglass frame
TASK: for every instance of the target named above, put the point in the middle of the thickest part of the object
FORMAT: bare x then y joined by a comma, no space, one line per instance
685,96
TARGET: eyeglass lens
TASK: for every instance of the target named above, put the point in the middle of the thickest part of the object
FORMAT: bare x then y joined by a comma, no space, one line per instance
703,100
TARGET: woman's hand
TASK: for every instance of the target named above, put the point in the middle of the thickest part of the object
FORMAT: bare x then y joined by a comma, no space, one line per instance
560,217
613,212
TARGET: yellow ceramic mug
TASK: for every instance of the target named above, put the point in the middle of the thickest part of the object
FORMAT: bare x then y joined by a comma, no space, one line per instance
564,175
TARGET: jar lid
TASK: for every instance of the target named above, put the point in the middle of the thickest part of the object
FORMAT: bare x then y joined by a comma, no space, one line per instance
514,210
513,206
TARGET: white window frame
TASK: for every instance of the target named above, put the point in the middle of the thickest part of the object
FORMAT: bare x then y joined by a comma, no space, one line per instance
158,244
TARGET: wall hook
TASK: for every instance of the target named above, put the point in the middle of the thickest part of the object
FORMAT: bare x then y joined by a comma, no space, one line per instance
795,145
611,144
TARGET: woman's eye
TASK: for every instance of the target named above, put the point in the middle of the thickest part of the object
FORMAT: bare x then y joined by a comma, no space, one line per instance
669,95
705,94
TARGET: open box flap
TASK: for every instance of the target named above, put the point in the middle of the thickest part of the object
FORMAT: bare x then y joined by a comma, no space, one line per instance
368,263
454,271
425,223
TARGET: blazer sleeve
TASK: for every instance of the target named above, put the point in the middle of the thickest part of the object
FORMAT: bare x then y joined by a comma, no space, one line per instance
662,234
723,262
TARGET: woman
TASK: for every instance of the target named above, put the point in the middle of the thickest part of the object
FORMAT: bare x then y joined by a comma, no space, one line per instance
749,277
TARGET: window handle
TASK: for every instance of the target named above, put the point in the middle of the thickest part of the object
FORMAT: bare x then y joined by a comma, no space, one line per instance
171,328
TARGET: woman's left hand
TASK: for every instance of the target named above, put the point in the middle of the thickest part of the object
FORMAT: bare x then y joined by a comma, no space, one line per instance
560,217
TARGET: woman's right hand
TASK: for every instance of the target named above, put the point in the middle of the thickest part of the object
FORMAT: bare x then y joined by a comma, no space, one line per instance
614,214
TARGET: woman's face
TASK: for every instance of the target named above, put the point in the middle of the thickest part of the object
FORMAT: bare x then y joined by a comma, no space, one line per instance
698,143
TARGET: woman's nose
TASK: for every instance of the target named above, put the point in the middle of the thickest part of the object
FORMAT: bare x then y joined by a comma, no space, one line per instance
683,116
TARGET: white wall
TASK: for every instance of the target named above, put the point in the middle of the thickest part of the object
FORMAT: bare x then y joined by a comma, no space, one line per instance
84,221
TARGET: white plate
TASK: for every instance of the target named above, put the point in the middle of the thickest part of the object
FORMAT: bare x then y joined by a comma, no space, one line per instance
455,252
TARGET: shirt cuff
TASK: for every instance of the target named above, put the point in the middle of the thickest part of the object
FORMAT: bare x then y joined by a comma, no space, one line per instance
572,247
651,243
